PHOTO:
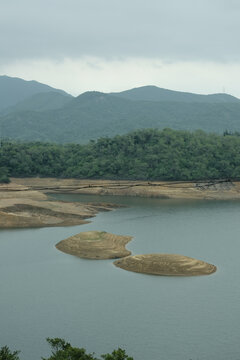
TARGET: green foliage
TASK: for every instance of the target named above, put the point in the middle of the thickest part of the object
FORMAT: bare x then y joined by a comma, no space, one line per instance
144,155
119,354
62,350
7,354
4,178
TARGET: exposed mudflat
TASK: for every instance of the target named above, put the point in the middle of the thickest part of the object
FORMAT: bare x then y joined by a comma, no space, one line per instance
95,245
165,264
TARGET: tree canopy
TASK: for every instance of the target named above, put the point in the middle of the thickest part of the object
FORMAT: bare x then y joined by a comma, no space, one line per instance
62,350
7,354
140,155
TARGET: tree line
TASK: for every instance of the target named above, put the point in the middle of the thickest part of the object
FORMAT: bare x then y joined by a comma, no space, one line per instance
62,350
140,155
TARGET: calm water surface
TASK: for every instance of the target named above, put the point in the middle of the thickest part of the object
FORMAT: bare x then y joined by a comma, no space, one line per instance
46,293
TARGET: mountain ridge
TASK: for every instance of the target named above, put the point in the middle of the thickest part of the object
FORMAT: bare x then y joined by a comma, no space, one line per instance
95,114
50,100
14,90
155,93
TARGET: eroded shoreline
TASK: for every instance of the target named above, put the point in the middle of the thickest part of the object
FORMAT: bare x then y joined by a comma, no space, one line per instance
23,207
24,203
219,189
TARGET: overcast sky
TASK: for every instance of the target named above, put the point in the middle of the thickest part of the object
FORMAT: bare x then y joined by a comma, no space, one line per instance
110,45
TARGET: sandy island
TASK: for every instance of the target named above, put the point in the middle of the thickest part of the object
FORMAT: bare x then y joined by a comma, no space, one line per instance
96,245
24,203
165,264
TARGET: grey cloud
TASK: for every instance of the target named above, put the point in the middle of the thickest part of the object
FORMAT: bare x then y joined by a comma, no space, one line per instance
170,29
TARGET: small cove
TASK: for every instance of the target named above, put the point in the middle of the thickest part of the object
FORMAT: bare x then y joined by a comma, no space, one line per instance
45,293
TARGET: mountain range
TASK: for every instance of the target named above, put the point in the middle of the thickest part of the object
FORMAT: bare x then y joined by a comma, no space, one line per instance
33,111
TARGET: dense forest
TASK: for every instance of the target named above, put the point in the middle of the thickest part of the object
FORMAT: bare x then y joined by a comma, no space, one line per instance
144,155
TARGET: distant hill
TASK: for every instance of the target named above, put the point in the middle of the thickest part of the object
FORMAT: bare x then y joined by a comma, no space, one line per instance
41,102
13,90
94,114
154,93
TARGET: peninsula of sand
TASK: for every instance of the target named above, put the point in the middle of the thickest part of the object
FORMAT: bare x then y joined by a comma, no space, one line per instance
23,207
24,202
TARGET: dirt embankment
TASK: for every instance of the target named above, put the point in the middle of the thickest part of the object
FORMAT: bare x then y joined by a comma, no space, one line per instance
219,190
24,203
21,206
165,264
96,245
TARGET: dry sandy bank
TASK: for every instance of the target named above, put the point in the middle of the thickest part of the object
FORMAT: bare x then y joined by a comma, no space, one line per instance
22,206
24,203
219,190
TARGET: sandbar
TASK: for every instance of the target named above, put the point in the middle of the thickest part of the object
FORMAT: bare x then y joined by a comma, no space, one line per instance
165,264
96,245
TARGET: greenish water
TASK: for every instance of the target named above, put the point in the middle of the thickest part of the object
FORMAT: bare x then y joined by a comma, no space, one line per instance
46,293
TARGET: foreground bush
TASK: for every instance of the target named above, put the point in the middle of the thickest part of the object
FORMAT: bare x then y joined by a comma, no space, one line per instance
62,350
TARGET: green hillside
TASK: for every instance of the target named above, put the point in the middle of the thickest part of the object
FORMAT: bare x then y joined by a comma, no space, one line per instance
13,90
41,102
93,115
154,93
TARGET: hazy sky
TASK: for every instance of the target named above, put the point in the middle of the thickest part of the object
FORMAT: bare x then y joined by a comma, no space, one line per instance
110,45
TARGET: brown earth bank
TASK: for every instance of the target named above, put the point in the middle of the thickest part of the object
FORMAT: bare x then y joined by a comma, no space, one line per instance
21,207
165,264
96,245
24,203
214,189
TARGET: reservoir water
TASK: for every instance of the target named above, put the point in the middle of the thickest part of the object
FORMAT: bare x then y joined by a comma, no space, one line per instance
92,304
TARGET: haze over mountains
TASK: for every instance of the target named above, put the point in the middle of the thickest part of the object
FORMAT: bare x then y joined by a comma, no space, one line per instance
34,111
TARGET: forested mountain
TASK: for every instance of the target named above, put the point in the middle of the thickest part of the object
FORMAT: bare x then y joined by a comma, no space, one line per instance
93,115
51,100
14,90
59,117
146,154
154,93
